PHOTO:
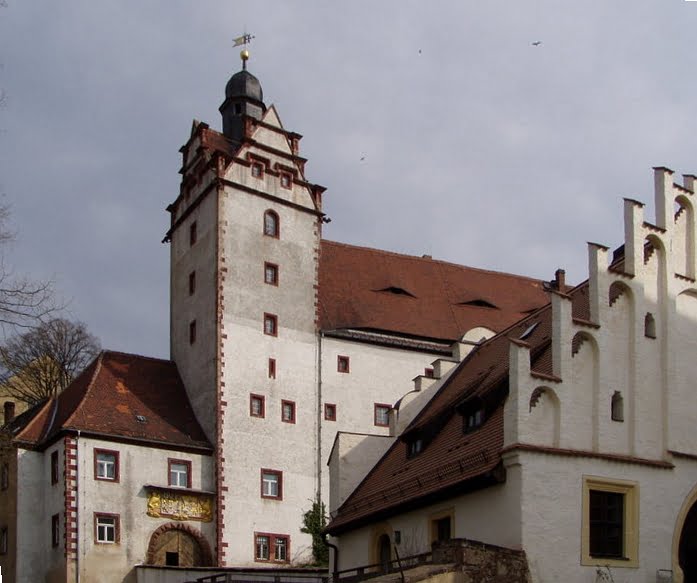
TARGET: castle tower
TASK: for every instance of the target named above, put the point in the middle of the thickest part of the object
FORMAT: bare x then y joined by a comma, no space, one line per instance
245,235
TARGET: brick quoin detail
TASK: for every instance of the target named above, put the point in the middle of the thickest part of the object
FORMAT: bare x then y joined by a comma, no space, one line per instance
70,494
220,545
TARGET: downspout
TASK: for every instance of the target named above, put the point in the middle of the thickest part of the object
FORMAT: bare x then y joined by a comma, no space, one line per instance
318,461
335,570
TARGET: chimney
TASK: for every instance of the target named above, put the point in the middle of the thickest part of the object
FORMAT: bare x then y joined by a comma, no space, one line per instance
559,280
9,411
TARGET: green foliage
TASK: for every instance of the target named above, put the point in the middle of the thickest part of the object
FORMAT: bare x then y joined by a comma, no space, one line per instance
314,521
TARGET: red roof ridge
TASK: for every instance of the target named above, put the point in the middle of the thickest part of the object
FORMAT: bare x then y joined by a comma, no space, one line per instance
121,353
34,419
430,260
90,384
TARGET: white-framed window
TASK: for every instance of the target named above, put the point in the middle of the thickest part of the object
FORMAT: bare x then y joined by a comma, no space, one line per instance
106,465
106,527
179,473
382,415
281,548
262,547
272,484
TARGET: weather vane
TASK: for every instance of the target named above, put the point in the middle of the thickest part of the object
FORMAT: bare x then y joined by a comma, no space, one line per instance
245,39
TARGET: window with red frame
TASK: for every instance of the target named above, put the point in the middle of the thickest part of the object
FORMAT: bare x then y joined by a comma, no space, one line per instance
106,528
428,373
342,364
271,273
270,324
288,411
272,484
271,547
179,473
106,465
272,368
286,180
272,225
330,412
257,406
54,467
257,170
382,415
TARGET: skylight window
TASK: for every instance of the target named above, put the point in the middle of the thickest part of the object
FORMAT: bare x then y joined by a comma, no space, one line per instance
528,331
398,291
141,418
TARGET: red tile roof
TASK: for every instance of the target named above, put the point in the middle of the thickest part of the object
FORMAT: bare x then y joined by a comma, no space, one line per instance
415,296
451,458
109,397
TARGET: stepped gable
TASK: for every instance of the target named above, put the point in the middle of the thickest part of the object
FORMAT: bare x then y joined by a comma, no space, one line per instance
121,396
421,297
452,461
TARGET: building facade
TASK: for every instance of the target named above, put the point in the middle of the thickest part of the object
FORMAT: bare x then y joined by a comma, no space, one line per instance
570,435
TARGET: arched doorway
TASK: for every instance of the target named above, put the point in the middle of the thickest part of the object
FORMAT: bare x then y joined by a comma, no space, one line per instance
687,550
178,545
384,552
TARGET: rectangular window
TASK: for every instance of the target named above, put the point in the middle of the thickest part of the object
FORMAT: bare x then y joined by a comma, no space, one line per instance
257,170
192,283
3,540
342,363
286,180
106,528
55,530
271,324
382,415
192,233
288,411
272,368
610,522
271,547
54,467
106,465
330,412
179,473
256,405
192,331
272,484
5,477
271,273
441,525
428,372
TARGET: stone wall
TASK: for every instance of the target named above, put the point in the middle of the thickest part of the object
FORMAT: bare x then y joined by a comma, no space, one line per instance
483,563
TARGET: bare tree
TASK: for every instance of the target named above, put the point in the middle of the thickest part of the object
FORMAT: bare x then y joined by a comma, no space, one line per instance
42,361
23,302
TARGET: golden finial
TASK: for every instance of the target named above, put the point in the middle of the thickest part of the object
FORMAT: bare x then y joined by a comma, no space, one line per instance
245,39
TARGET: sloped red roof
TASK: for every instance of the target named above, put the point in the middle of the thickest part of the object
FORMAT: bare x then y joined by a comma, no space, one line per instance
121,395
452,458
372,289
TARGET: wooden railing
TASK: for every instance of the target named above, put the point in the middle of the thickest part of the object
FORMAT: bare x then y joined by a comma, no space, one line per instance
369,571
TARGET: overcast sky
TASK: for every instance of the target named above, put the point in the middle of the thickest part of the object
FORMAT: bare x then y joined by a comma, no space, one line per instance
479,147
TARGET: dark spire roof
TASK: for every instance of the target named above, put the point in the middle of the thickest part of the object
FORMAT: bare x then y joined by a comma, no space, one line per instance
244,84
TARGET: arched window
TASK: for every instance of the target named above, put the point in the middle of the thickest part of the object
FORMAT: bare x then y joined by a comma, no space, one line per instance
617,412
649,325
272,225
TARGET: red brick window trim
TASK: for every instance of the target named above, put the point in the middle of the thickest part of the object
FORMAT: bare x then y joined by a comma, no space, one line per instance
270,324
54,467
382,415
258,169
286,180
330,412
192,332
55,530
272,224
271,483
272,368
288,411
192,283
179,473
270,273
106,465
107,529
193,234
257,406
343,364
270,547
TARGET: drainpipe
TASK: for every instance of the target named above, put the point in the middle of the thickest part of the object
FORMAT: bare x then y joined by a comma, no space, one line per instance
318,461
335,570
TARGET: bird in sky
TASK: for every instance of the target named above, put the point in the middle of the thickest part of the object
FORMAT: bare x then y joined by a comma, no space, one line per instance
536,43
